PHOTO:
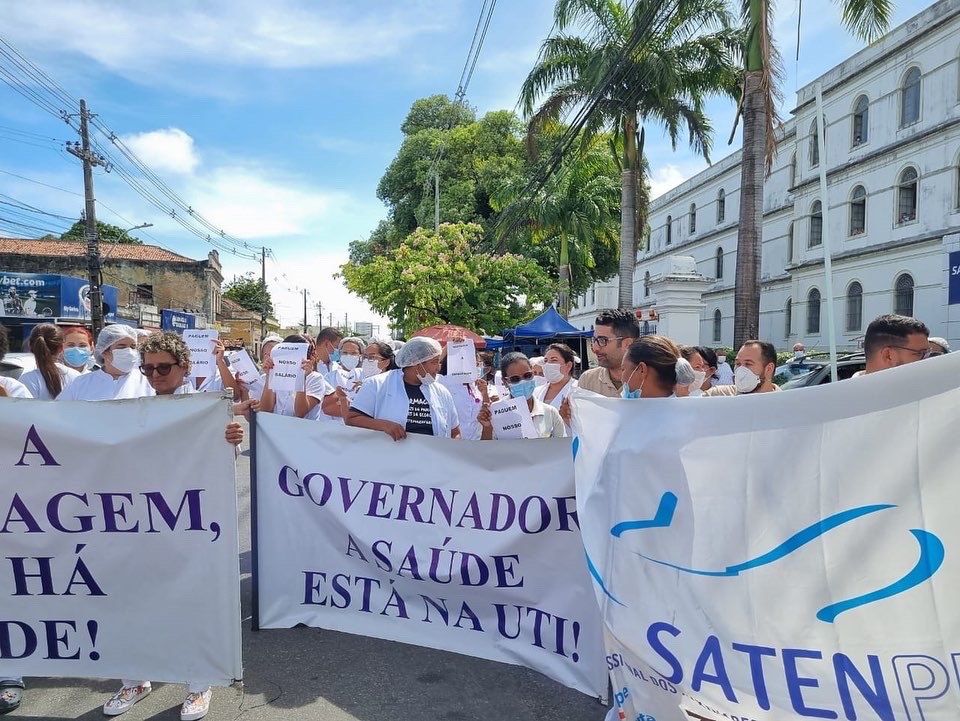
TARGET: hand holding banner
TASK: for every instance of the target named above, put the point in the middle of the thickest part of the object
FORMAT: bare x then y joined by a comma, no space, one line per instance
512,419
287,374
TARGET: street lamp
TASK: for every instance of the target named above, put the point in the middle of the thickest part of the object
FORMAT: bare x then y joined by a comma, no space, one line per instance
139,227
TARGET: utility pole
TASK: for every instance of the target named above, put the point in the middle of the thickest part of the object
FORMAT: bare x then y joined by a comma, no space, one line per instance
305,326
263,289
319,315
331,320
90,160
346,323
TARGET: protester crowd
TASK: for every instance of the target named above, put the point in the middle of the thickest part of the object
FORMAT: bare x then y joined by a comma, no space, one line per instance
404,388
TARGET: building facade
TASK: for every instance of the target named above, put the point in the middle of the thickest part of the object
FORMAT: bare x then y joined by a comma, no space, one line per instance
892,216
148,277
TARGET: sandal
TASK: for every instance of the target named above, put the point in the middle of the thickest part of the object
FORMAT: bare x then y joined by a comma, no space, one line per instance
11,694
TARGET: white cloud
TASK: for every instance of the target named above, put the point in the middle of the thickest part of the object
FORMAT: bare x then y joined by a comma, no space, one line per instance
170,150
171,37
666,178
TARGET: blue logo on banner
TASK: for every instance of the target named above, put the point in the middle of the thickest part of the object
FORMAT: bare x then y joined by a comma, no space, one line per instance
931,553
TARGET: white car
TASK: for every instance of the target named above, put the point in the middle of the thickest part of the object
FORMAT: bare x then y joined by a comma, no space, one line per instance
15,365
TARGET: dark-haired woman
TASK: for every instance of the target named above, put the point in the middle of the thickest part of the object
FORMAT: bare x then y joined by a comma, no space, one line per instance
558,365
50,376
652,368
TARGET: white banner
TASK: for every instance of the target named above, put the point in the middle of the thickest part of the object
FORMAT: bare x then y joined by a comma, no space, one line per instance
466,547
781,556
118,540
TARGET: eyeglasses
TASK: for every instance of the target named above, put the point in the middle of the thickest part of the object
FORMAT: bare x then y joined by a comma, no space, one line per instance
921,354
374,358
934,354
161,368
601,340
516,379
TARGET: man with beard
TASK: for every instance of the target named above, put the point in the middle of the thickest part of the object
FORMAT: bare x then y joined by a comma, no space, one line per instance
756,363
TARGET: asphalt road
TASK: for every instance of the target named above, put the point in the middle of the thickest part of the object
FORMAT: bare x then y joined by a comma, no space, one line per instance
307,673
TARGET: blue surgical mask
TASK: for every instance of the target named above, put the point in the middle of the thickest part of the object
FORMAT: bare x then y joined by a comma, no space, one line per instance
76,357
335,356
625,391
523,389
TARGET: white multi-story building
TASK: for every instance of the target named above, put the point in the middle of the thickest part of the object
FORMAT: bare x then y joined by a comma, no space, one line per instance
892,155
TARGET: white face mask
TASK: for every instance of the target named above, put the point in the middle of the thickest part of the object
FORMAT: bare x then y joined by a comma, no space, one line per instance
721,359
798,354
745,380
426,379
553,372
349,361
371,367
124,359
540,381
698,378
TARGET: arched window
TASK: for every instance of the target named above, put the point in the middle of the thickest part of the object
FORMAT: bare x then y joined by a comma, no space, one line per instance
669,229
788,319
903,295
719,263
813,312
854,307
910,98
858,211
860,120
793,170
816,225
907,196
717,325
646,284
790,248
593,295
814,146
721,206
693,218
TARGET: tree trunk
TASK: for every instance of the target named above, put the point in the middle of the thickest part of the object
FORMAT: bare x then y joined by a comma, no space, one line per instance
564,274
746,314
628,213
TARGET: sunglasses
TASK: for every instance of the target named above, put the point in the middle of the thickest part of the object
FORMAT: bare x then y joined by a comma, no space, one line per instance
161,368
516,379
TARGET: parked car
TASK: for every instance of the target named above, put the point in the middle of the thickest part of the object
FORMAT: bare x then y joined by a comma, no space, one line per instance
15,365
818,370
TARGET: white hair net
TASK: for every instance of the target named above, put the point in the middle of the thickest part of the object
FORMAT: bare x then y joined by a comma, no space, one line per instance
417,350
110,335
537,360
942,342
397,344
685,373
359,341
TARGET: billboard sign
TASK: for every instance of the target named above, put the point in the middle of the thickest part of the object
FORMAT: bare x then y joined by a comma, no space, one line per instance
40,295
174,320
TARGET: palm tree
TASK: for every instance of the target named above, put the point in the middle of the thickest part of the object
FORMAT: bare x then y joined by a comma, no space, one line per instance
574,214
644,64
760,95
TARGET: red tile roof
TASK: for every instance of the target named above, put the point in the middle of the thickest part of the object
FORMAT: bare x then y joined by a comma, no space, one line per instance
108,251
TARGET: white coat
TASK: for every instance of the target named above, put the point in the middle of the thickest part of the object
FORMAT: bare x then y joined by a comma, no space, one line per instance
99,385
384,397
34,382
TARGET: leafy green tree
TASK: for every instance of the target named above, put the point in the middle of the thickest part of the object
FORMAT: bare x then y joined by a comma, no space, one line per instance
437,112
574,215
249,291
760,94
435,278
107,233
664,79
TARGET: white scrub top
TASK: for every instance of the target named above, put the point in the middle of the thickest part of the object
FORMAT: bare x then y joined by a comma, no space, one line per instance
468,401
384,397
99,385
34,382
541,391
316,386
350,381
14,388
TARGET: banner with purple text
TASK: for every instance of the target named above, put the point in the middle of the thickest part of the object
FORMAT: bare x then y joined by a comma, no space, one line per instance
779,556
465,546
118,540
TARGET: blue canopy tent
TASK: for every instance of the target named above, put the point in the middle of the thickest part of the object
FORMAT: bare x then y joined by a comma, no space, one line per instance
549,327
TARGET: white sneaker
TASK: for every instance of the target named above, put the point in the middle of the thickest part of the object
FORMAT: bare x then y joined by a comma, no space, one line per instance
124,699
196,705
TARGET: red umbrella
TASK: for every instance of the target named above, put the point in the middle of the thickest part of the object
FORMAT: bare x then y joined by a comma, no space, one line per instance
443,333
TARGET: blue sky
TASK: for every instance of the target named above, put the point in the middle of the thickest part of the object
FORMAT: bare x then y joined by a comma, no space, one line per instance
276,120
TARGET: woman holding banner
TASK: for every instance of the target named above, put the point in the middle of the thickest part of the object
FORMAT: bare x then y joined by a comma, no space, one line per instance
408,400
116,352
653,367
520,380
